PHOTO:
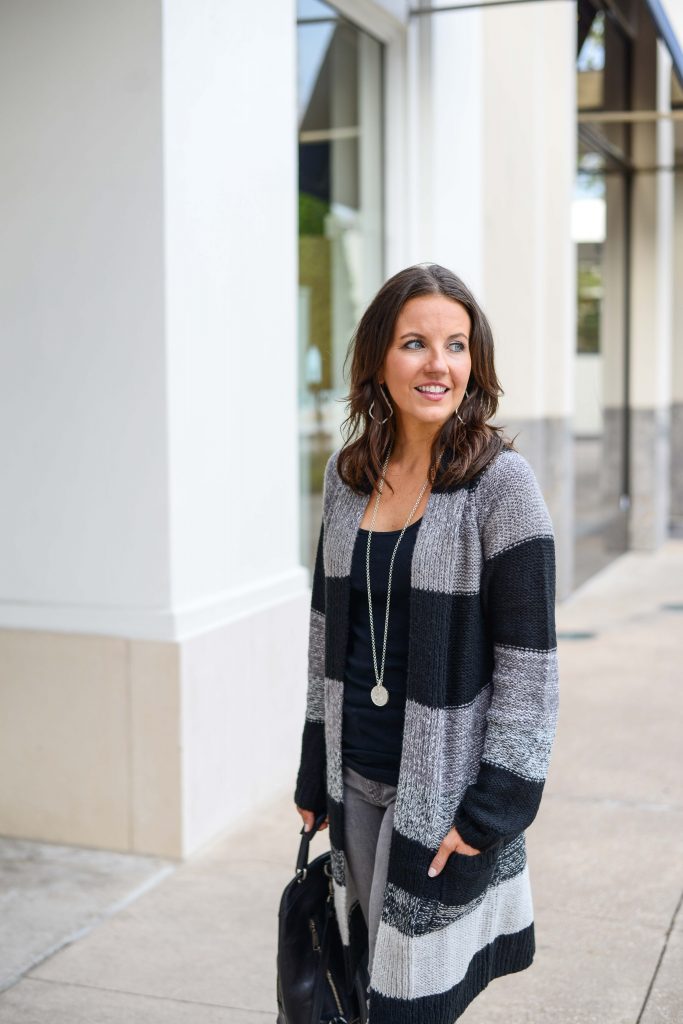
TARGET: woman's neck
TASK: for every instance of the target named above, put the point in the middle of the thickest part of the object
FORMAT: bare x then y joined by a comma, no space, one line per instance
411,456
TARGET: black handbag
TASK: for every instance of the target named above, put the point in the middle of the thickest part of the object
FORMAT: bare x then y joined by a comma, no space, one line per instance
314,982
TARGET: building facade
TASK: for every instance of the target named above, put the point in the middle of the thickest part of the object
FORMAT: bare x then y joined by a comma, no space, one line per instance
199,201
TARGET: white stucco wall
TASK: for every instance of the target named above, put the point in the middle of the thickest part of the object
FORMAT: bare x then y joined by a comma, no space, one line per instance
84,524
148,395
231,286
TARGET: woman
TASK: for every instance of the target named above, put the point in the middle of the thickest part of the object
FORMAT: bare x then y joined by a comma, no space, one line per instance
433,680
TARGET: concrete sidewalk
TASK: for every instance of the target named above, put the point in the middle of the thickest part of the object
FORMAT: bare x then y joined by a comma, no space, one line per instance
197,944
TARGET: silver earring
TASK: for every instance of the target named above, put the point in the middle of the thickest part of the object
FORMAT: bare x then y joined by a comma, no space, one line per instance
391,413
456,411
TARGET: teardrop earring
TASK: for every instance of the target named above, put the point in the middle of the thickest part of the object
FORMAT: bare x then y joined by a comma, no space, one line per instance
461,401
391,411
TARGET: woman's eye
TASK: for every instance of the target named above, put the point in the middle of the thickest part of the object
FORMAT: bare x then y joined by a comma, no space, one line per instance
416,341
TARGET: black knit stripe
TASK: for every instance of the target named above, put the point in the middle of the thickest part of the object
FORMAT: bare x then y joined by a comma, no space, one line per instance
449,659
499,803
506,954
518,594
337,596
311,787
318,581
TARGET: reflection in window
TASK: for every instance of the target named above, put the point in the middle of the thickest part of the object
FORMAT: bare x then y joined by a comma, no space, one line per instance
340,227
591,65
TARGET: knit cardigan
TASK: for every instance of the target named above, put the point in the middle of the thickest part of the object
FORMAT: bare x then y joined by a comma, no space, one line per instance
480,718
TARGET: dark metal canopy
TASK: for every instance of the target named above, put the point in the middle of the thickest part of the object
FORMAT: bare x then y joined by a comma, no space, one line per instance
667,35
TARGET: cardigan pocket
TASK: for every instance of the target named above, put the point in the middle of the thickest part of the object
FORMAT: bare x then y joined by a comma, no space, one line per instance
476,862
464,877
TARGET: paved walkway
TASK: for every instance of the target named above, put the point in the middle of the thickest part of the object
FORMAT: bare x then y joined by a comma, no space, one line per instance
195,944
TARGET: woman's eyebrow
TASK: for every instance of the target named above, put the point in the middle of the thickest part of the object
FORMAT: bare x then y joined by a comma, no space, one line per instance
416,334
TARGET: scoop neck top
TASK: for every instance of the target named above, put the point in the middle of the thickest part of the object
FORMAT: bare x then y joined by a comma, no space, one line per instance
415,522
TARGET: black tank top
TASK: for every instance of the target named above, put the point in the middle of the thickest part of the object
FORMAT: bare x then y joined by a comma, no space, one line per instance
372,736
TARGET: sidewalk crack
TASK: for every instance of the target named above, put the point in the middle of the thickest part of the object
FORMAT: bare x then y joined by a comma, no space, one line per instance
660,960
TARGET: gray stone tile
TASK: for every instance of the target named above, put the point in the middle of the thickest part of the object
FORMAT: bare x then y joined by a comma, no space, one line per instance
49,893
586,971
607,860
665,1001
205,938
39,1002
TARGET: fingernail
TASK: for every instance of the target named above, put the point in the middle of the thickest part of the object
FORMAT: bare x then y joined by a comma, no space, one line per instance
307,827
432,872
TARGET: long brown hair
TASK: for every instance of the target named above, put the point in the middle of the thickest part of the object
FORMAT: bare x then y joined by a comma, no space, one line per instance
469,446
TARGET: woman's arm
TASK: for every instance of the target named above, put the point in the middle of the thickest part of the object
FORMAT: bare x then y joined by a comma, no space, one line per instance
518,597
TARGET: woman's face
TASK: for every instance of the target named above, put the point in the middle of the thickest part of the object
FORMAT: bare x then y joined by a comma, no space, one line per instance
430,346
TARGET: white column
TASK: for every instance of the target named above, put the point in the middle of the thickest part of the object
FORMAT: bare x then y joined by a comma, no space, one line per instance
651,296
154,618
444,142
492,151
528,167
676,461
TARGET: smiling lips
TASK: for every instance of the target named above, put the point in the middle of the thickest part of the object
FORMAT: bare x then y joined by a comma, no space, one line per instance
433,392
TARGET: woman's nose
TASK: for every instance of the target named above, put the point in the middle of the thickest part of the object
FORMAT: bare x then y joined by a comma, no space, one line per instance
436,362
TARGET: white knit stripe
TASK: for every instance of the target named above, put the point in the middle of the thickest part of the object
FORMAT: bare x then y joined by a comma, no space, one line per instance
334,709
520,514
408,967
344,515
341,906
443,744
315,694
523,712
443,561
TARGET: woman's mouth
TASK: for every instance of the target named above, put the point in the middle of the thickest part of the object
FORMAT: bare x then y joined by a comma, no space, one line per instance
432,393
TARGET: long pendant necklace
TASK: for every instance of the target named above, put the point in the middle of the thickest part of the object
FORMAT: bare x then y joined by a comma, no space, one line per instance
379,692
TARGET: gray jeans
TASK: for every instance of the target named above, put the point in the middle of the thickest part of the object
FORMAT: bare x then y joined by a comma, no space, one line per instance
368,821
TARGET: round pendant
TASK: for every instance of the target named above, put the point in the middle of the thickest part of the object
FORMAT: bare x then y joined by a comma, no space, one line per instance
379,694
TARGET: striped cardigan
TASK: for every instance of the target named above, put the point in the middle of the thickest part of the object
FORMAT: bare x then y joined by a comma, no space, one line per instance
480,718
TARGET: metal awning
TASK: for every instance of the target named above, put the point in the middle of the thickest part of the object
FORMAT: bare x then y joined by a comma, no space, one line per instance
656,8
668,36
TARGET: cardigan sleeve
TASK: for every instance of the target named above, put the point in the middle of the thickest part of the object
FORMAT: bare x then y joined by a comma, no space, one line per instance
310,792
311,785
518,599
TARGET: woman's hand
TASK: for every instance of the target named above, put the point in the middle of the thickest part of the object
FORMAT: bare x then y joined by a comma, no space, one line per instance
309,820
451,843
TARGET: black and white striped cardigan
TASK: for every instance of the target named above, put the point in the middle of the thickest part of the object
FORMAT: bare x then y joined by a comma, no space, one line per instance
480,719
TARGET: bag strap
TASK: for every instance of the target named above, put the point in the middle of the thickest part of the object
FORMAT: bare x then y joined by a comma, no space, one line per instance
302,857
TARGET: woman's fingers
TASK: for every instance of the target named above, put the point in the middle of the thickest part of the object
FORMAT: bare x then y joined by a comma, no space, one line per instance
451,843
308,818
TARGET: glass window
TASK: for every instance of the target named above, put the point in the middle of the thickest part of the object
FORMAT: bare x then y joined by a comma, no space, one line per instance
340,227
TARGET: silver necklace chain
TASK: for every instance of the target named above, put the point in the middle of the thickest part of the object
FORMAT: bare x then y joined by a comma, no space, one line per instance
379,692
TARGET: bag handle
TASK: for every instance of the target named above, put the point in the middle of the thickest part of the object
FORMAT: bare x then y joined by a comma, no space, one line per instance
302,858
